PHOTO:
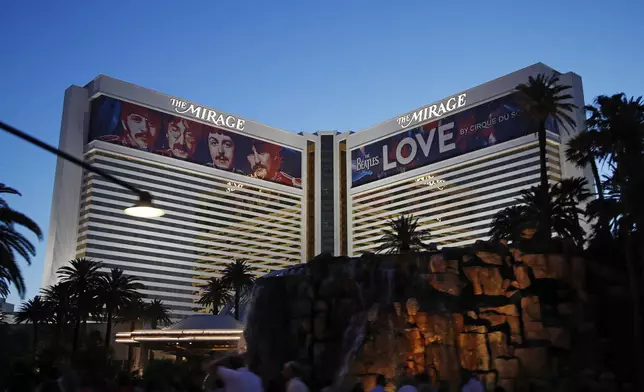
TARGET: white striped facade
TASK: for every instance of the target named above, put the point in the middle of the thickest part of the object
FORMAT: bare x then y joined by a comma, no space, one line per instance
456,198
214,217
210,221
455,201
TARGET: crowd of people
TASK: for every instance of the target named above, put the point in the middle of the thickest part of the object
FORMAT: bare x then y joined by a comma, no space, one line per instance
226,374
229,374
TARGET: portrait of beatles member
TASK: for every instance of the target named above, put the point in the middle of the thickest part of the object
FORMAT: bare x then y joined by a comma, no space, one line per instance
139,125
181,137
266,162
221,149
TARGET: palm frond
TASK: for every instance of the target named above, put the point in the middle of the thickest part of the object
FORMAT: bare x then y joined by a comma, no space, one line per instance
238,274
34,311
215,294
157,313
116,289
12,217
403,235
542,97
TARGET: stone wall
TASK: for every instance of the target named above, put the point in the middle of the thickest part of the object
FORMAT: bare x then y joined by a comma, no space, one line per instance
515,319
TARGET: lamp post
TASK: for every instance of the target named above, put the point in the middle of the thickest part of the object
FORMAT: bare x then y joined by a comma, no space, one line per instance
143,208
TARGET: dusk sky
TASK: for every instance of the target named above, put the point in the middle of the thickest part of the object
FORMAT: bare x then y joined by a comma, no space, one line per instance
296,65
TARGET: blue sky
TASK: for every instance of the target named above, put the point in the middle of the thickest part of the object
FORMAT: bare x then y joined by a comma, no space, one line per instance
297,65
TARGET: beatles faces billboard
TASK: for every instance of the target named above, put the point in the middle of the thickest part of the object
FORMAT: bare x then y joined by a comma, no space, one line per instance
482,126
134,126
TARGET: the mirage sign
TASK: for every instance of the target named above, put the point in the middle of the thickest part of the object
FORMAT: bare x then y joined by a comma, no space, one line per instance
208,115
124,123
482,126
432,111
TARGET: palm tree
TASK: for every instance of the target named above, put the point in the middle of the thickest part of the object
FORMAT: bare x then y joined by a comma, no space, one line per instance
584,150
83,278
132,312
114,292
563,201
58,300
238,277
542,97
606,213
508,224
619,122
403,235
157,313
34,311
568,195
13,243
214,294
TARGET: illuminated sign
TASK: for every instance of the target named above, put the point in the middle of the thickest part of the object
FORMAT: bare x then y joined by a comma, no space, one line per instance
208,115
433,111
477,127
431,181
130,125
233,186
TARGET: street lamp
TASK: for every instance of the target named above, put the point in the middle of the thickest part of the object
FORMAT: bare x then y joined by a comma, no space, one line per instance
143,208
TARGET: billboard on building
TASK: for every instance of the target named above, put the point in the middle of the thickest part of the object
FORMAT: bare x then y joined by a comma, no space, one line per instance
134,126
485,125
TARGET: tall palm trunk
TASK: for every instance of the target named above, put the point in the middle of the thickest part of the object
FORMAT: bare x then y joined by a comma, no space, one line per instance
604,219
545,199
598,180
579,240
108,329
130,350
237,295
35,348
77,325
153,325
60,325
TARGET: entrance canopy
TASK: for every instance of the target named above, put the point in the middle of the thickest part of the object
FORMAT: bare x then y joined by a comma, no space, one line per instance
195,333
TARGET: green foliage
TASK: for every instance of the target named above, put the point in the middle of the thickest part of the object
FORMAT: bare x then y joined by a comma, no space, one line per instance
214,294
14,244
617,124
132,312
543,97
156,313
83,280
563,198
58,299
34,311
114,292
239,278
117,289
403,235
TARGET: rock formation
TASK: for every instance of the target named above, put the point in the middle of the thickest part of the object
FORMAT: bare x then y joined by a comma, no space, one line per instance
505,315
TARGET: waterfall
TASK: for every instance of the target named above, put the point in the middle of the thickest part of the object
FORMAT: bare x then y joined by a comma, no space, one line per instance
352,341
